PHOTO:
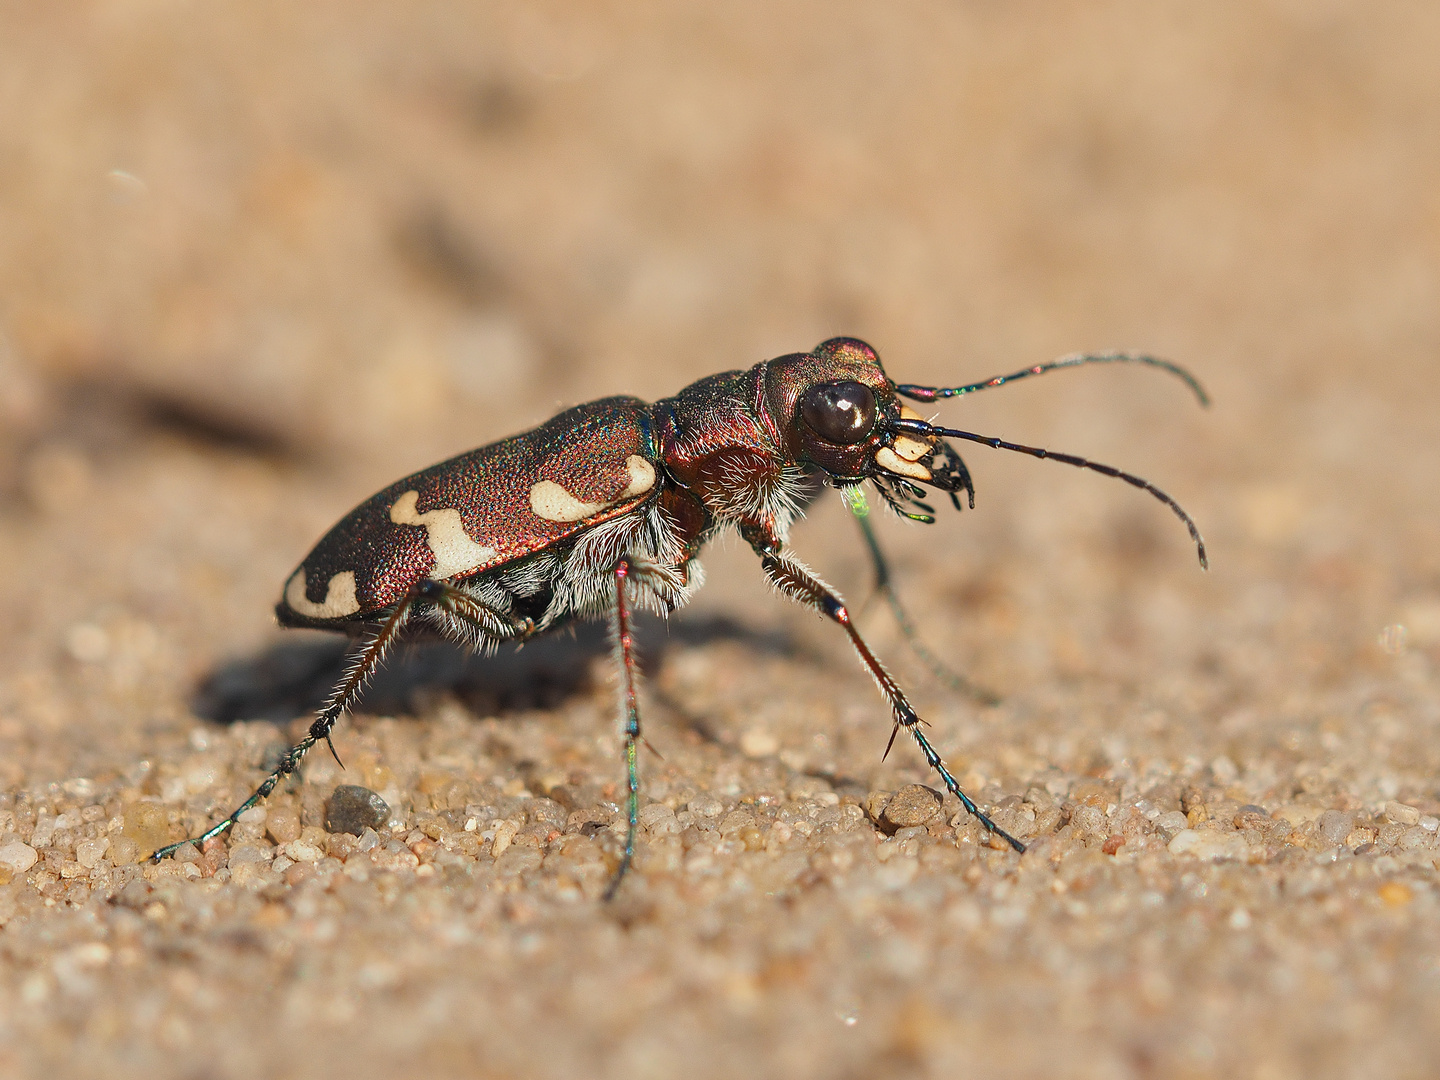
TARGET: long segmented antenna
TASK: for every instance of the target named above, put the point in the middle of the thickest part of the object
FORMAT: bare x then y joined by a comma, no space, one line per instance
921,428
935,393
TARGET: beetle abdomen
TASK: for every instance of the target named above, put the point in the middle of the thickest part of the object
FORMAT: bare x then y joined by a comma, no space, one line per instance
477,512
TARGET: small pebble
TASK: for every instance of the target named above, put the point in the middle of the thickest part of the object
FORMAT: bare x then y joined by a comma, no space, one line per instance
148,824
1361,838
1224,770
1209,846
735,821
18,857
706,806
282,823
340,845
248,853
1251,817
124,850
658,818
1088,821
304,851
1171,824
186,853
88,853
44,832
1335,825
1402,814
757,743
353,809
504,836
1396,893
914,804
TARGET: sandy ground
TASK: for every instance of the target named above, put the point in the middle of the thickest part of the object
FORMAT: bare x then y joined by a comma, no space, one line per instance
258,260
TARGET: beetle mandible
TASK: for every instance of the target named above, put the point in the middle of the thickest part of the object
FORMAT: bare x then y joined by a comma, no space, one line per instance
605,508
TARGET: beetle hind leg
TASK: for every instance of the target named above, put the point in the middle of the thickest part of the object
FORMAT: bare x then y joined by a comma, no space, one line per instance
363,664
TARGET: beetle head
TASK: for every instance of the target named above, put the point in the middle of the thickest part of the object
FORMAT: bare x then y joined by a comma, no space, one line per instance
829,404
838,411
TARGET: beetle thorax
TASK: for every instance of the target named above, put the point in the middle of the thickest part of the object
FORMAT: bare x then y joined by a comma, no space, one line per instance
719,444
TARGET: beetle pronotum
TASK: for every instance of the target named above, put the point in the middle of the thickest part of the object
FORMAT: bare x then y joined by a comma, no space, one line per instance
606,507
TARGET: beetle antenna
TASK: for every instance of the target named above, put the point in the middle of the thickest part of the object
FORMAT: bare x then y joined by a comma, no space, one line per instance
935,393
920,427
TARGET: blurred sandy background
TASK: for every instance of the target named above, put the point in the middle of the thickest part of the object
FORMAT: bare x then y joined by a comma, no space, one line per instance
258,260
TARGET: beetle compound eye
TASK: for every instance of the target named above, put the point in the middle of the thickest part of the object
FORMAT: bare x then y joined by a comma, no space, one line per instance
839,412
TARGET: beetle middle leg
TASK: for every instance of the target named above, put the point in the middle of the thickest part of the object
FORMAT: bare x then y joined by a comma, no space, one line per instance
620,629
798,583
469,617
634,577
363,663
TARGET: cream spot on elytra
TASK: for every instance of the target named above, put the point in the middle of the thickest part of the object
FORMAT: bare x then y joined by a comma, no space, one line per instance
642,476
889,460
339,596
553,503
454,551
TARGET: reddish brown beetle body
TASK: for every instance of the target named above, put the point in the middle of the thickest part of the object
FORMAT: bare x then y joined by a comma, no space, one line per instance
608,505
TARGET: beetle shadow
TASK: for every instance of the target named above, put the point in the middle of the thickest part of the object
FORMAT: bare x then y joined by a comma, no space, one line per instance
295,676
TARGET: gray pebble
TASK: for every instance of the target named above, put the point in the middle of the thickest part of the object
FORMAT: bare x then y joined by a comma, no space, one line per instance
353,809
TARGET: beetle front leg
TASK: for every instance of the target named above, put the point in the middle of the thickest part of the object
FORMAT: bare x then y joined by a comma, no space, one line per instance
801,585
364,662
629,704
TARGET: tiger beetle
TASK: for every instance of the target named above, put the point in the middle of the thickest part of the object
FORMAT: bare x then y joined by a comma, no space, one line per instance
604,509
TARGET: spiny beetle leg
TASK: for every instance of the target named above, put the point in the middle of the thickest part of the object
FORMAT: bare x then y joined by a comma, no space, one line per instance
620,629
885,586
363,664
798,583
484,623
